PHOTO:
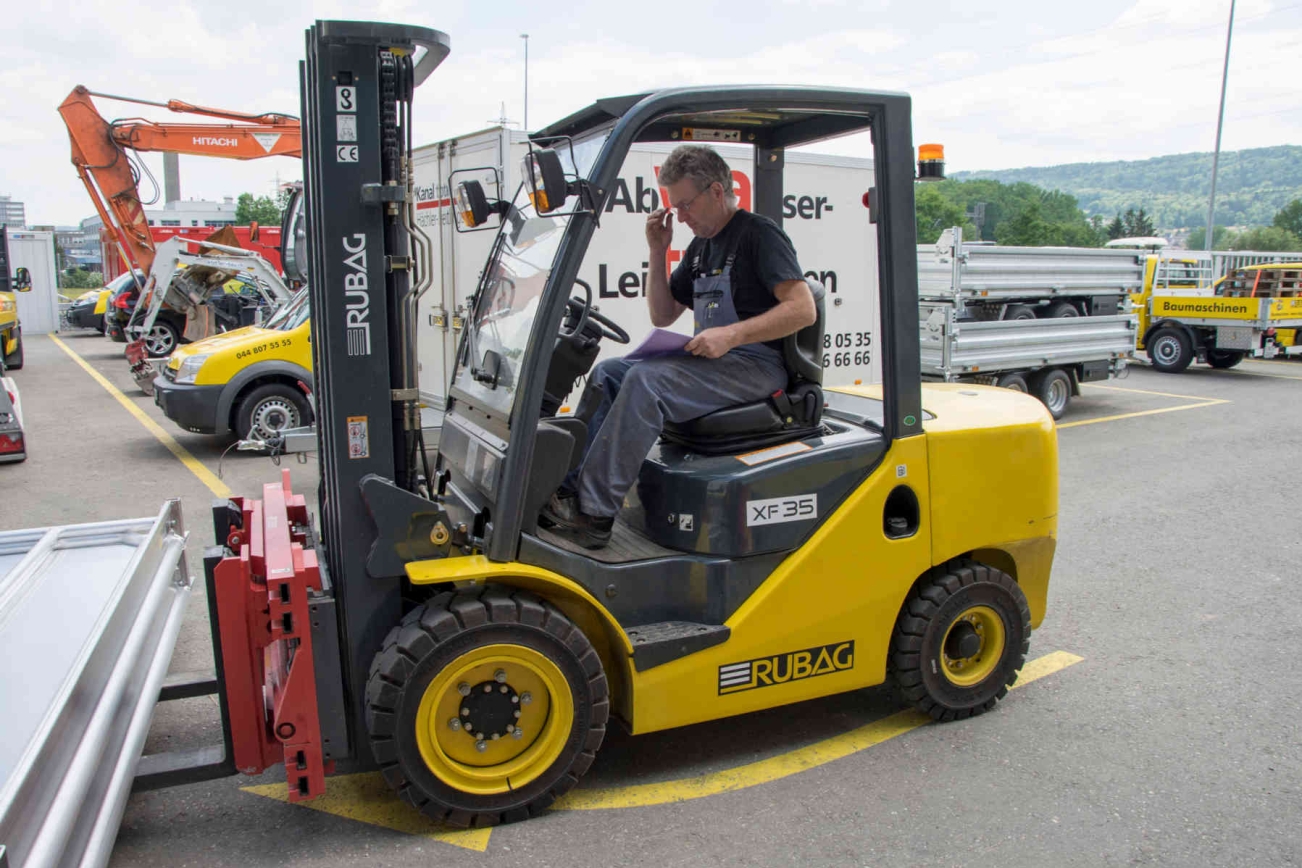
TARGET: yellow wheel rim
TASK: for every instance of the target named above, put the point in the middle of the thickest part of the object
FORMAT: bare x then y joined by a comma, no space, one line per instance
974,668
485,688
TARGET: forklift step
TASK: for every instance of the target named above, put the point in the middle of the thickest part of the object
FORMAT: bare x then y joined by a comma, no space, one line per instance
657,644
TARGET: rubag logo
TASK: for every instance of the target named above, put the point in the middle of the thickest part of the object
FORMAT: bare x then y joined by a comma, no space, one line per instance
782,668
357,296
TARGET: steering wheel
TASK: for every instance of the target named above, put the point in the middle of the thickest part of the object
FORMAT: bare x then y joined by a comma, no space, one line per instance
583,310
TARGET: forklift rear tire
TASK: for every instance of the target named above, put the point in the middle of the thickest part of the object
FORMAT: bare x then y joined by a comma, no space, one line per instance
1224,359
493,662
960,640
14,360
1169,351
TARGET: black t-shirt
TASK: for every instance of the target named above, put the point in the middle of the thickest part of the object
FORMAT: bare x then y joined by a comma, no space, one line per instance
765,258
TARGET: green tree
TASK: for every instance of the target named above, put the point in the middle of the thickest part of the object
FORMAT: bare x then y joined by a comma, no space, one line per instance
1027,229
1289,218
1271,238
935,213
1198,238
1137,224
262,210
1116,229
79,278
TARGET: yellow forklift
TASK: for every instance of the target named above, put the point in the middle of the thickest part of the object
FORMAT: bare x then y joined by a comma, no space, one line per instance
770,553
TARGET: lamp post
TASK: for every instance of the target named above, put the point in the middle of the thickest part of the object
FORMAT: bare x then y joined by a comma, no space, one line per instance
525,37
1220,121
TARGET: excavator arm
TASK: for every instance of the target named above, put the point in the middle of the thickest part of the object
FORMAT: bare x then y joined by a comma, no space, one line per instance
99,154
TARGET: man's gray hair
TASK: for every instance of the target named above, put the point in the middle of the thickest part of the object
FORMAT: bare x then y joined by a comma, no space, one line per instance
700,164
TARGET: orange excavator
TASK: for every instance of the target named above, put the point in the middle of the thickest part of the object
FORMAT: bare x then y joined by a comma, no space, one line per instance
99,151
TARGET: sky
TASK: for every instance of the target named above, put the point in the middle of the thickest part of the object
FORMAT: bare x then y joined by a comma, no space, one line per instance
1001,85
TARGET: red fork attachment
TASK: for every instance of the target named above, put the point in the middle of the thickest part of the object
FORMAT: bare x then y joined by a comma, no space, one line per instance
266,638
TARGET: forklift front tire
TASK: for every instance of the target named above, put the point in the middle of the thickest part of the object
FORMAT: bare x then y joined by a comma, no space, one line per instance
960,640
484,707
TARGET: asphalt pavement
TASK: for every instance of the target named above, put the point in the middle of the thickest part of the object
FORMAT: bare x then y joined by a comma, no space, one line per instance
1173,739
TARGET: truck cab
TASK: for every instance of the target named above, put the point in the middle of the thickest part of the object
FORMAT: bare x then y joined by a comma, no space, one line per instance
253,381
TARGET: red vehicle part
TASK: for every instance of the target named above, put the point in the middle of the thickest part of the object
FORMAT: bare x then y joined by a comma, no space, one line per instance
262,240
266,640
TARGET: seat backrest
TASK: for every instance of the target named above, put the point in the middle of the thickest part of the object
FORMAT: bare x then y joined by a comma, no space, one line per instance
803,351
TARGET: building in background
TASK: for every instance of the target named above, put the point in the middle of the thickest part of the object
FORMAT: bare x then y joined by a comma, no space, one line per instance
186,213
12,213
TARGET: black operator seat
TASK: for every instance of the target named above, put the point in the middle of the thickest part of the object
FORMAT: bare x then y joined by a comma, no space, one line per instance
783,416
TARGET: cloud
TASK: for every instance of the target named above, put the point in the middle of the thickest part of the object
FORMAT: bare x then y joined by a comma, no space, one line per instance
1009,85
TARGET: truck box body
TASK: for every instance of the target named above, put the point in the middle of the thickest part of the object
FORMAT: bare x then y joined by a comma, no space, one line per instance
823,215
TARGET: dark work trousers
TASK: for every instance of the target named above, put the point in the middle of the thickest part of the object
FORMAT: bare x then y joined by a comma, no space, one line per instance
655,391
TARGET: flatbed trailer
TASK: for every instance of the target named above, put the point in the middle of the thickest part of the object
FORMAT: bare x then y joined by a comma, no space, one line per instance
1041,320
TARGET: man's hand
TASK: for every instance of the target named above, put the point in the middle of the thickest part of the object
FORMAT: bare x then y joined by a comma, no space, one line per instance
660,230
713,343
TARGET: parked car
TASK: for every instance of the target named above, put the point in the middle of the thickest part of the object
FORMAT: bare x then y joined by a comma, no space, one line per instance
164,336
88,311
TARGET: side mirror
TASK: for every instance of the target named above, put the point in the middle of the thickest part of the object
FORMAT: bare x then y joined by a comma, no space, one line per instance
22,280
474,208
544,179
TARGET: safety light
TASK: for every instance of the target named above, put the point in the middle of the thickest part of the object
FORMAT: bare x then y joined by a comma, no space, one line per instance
544,179
931,162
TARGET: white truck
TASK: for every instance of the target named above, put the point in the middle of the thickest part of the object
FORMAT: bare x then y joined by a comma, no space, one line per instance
824,216
1041,320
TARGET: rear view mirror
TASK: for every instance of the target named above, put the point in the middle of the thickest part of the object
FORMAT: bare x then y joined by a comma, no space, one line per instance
22,280
474,209
544,179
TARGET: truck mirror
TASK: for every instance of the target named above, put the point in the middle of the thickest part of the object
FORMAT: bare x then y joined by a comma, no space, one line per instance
544,179
22,280
472,205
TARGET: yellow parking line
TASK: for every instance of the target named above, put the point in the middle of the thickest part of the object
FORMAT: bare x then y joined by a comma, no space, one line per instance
1145,392
206,476
782,766
366,798
1209,403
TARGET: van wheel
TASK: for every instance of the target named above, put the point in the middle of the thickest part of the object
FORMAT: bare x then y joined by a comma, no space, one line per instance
485,706
1053,388
1223,359
1169,350
14,360
270,409
1014,381
960,640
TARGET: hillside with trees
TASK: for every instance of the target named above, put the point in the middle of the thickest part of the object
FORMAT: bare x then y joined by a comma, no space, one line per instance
1251,186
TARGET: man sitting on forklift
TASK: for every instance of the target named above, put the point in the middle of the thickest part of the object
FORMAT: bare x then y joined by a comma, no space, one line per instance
747,292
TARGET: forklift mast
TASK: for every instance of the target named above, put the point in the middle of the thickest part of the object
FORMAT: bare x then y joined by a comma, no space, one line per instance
357,83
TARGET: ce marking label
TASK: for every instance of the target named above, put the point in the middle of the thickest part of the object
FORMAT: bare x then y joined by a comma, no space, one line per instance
346,153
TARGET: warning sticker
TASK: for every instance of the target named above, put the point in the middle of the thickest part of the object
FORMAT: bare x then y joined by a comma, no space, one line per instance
359,437
698,134
346,128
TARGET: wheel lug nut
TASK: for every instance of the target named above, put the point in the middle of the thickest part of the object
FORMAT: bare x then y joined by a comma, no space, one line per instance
517,733
481,745
454,723
465,711
464,689
496,736
500,676
504,689
526,698
515,699
516,713
488,688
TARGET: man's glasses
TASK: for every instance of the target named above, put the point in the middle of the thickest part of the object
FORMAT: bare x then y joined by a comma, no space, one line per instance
684,207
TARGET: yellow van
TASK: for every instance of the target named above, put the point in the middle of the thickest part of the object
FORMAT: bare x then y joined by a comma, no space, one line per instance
255,381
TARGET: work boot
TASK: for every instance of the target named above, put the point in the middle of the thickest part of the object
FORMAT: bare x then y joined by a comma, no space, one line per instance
568,520
563,505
